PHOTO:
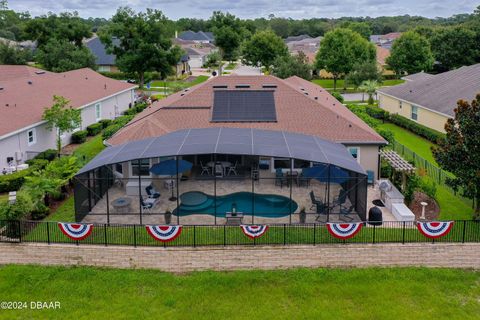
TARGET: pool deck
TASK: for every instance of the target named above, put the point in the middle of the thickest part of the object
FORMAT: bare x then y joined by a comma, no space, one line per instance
224,187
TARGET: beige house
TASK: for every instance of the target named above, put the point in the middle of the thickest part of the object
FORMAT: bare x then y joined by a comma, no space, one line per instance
430,100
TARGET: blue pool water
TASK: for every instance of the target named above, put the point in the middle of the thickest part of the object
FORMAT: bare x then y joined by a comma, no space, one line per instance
266,205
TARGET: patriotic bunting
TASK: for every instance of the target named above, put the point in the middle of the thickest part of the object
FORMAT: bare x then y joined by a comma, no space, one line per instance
344,230
75,231
254,231
434,229
164,233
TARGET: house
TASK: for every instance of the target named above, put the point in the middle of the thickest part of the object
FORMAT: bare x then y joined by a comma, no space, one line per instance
304,43
431,99
197,52
105,61
26,91
248,144
198,37
382,55
385,40
183,67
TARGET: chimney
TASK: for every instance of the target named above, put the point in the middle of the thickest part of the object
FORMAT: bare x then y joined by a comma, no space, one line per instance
176,34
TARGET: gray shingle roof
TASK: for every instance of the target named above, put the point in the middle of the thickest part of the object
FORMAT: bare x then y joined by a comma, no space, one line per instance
100,53
418,76
196,36
441,92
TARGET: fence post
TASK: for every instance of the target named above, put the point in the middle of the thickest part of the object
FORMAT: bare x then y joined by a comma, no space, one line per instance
135,235
105,233
19,231
374,228
403,233
284,234
48,232
314,233
224,235
194,234
463,233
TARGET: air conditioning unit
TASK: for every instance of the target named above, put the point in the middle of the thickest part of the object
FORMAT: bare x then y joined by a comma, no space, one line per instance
18,155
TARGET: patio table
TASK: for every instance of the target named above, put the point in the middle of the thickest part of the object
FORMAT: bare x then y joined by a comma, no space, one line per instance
122,205
225,165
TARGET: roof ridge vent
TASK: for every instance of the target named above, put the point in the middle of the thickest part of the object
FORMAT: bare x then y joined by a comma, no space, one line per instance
269,86
220,86
242,86
40,72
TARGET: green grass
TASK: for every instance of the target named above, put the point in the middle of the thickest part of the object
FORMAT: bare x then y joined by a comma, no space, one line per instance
88,150
417,144
231,66
374,293
183,84
65,212
328,83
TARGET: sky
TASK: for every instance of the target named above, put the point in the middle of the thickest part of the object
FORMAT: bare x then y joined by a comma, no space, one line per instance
296,9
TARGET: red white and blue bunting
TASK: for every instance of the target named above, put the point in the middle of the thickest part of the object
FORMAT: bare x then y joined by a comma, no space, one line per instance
435,229
344,230
164,233
75,231
254,231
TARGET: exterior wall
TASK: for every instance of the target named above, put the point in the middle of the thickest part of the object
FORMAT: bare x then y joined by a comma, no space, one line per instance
426,117
180,260
368,157
107,68
196,61
45,139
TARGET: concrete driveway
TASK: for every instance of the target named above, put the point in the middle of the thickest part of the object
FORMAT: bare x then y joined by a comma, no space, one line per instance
243,70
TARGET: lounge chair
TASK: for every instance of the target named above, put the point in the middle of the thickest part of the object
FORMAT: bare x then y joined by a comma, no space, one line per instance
151,192
205,169
219,172
147,204
280,179
233,169
315,201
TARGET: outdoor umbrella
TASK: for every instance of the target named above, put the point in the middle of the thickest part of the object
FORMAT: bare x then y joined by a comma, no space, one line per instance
320,172
169,168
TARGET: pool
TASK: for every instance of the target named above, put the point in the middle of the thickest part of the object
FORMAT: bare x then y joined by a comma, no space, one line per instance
266,205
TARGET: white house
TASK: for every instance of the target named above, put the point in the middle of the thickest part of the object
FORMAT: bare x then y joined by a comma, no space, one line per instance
26,91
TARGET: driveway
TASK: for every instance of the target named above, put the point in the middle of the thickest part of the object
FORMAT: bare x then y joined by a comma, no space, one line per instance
247,71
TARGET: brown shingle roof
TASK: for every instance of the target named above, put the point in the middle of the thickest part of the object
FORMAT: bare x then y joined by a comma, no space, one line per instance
382,55
25,93
298,112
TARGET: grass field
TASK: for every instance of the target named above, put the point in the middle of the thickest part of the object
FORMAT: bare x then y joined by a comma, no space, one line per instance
183,84
88,150
328,83
94,293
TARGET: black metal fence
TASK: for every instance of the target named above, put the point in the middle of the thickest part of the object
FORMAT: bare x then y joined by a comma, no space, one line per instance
215,235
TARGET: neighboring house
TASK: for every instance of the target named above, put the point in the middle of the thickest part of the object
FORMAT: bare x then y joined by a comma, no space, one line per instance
247,143
104,60
198,37
183,67
385,40
27,44
382,55
304,43
197,52
26,91
431,99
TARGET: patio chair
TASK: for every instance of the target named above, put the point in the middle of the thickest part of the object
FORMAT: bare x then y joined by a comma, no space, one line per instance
219,172
303,181
340,202
151,192
147,204
370,177
205,169
321,211
280,179
233,169
315,201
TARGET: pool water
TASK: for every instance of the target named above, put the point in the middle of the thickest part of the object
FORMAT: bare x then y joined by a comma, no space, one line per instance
265,205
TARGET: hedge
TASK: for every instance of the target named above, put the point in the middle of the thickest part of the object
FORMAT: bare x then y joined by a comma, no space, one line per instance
94,129
116,125
48,154
425,132
79,136
13,182
105,123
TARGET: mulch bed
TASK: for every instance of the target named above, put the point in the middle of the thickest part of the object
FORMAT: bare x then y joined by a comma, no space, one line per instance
432,210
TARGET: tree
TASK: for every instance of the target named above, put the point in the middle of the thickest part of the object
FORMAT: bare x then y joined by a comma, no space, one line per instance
61,55
340,50
228,40
288,65
369,87
263,48
214,59
362,28
455,47
145,43
410,53
10,54
459,152
62,117
362,72
64,27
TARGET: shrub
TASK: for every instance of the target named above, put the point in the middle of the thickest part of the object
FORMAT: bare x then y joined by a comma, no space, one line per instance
40,212
79,136
37,164
413,183
48,154
338,96
19,209
377,113
425,132
362,114
428,186
13,182
105,123
111,130
94,129
387,135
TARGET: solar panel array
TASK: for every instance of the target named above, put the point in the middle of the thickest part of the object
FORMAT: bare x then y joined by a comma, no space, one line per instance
240,141
244,106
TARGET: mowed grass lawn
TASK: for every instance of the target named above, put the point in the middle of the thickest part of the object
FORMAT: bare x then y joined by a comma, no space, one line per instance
184,84
93,293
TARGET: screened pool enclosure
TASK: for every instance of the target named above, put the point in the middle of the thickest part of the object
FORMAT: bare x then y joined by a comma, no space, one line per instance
222,176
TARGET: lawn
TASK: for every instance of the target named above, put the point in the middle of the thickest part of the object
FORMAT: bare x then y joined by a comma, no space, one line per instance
183,84
328,83
88,150
231,66
100,293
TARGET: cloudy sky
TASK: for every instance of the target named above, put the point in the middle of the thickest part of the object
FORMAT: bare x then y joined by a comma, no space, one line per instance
296,9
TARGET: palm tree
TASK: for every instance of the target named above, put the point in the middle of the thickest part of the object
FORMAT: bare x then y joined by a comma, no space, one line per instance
369,87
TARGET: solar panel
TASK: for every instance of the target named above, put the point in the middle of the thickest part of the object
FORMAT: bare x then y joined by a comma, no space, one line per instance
244,106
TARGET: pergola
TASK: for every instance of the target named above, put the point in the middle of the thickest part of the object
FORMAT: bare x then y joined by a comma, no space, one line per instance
398,164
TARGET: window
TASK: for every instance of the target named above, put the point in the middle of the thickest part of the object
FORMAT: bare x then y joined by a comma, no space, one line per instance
32,137
300,164
98,111
414,115
281,163
355,152
400,104
119,168
142,169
